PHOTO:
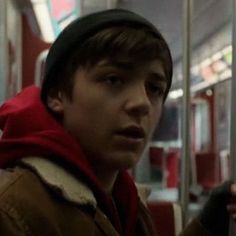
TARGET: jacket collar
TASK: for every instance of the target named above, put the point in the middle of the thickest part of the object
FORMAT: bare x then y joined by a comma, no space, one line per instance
71,188
58,178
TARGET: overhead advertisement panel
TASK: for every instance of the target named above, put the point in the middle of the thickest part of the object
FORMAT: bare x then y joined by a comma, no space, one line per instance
62,12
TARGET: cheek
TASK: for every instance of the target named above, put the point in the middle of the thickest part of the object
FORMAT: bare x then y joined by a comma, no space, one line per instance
86,118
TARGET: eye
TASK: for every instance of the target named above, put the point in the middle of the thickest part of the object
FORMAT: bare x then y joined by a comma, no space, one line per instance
155,89
114,80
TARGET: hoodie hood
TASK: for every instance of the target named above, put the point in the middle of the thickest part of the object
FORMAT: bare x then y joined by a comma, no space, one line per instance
28,129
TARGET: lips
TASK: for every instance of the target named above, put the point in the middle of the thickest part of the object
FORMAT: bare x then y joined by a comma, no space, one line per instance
133,132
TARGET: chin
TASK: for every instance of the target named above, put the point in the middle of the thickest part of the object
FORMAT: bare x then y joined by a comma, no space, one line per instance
117,160
126,161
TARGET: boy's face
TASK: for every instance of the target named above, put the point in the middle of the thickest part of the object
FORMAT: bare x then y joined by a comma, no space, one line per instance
114,110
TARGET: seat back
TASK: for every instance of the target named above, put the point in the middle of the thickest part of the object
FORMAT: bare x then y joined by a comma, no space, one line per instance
167,217
172,166
206,170
156,155
157,163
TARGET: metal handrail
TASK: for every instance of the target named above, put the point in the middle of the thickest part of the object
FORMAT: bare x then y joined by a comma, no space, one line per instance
186,140
232,227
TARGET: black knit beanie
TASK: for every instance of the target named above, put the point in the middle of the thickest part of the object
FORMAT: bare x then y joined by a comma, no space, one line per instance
83,28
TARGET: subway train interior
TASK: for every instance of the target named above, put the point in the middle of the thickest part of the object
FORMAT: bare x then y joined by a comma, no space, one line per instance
28,28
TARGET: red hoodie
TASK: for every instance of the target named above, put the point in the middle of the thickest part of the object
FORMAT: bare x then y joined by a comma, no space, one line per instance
30,130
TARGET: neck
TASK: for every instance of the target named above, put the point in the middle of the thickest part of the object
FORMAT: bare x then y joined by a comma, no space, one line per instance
106,178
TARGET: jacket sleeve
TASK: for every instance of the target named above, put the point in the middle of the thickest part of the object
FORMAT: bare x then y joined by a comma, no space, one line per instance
195,228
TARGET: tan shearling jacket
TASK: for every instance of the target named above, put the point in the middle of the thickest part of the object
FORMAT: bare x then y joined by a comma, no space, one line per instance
45,200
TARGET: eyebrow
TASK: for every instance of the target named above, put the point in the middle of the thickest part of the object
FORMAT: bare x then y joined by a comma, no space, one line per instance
125,65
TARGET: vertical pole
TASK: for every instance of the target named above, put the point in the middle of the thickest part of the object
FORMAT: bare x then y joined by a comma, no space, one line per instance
232,228
186,116
109,4
3,50
81,5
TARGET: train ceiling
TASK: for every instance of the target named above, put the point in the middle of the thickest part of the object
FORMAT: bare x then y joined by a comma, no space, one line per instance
209,18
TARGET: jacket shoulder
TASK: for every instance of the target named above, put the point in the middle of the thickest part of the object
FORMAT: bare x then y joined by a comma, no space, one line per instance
11,218
18,186
8,178
30,207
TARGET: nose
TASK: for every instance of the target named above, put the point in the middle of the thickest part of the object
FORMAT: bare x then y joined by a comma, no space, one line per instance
137,103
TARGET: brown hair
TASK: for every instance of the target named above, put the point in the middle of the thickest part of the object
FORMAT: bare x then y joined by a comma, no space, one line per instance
136,45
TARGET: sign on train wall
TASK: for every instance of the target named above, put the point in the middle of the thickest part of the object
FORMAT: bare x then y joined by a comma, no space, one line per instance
62,12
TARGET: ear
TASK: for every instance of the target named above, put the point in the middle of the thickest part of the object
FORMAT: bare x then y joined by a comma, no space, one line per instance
55,102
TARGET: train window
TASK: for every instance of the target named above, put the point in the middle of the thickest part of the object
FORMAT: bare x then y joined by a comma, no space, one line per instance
222,114
167,130
202,125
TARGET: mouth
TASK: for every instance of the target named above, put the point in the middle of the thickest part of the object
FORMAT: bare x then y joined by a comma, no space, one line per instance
132,132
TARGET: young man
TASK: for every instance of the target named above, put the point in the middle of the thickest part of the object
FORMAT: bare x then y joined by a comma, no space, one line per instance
65,154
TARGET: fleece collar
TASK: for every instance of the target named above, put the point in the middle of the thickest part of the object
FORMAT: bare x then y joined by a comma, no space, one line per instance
57,177
71,188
